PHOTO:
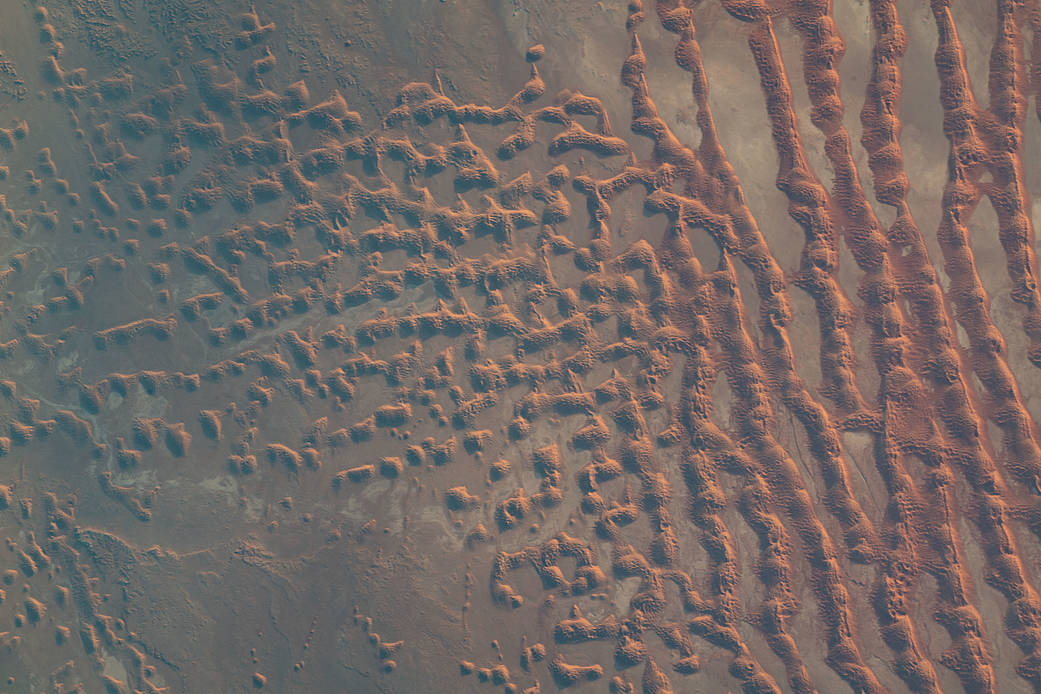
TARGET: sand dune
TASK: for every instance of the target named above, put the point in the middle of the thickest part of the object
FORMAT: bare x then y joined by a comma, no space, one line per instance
387,346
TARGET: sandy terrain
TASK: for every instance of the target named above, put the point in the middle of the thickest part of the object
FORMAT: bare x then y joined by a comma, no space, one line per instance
519,345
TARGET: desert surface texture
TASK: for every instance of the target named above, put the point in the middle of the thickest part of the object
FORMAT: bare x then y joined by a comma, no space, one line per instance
520,346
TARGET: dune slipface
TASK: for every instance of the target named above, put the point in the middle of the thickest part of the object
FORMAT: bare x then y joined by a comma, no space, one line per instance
437,347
